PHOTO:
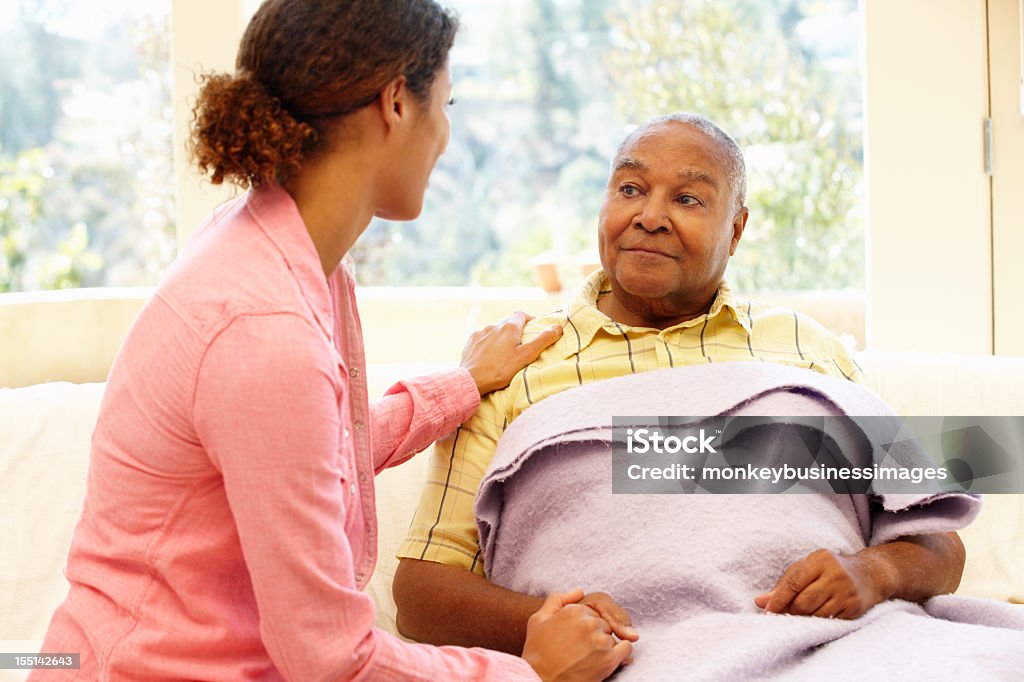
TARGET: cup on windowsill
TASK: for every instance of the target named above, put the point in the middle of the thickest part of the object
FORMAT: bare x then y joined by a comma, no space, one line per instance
587,265
545,272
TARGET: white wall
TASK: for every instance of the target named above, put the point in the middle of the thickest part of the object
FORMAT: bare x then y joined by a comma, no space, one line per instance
70,335
1007,174
928,212
204,37
74,335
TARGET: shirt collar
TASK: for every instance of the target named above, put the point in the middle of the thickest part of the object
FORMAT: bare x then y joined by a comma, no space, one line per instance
276,213
583,319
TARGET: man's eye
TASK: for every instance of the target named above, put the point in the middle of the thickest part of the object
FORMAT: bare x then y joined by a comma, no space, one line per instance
688,200
629,190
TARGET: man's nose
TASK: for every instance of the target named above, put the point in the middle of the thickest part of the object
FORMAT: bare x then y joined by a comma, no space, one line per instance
653,216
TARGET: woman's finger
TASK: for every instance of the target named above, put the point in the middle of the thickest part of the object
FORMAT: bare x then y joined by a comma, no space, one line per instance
532,348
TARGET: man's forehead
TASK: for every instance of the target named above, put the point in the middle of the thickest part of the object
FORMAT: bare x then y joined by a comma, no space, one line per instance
638,165
674,143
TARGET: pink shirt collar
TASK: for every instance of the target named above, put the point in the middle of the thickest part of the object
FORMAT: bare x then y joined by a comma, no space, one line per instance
278,216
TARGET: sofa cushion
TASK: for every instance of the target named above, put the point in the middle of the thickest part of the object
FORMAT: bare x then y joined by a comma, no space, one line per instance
45,431
945,383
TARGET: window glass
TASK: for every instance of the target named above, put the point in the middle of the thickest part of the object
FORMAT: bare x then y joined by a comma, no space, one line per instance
86,176
545,90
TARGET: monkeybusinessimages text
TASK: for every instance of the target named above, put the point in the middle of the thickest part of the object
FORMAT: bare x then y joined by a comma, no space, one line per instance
641,441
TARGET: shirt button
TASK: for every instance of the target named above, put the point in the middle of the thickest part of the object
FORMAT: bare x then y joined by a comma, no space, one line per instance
358,426
362,477
352,488
347,434
354,372
359,577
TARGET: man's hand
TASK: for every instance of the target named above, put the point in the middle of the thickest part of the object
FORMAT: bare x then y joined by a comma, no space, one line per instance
824,584
441,604
831,585
494,354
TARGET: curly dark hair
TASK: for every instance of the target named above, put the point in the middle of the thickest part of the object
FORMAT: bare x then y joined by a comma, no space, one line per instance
303,64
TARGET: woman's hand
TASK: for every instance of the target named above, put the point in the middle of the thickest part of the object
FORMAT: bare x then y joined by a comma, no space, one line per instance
494,354
568,642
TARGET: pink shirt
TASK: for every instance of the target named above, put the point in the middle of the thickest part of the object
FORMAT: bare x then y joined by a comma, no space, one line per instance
229,522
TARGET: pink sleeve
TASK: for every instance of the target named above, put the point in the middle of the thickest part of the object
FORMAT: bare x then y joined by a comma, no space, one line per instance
416,412
266,410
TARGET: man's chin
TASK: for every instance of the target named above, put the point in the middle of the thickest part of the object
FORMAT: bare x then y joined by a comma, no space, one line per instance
645,286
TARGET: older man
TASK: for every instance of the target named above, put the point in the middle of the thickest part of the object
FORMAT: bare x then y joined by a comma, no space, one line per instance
672,216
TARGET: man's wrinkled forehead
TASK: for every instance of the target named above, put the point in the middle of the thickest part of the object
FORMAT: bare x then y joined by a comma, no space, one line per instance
668,134
641,167
631,157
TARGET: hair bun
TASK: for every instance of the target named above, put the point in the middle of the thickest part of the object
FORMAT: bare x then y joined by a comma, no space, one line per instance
243,134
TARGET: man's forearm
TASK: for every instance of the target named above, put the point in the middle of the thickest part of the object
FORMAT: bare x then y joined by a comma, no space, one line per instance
441,604
917,567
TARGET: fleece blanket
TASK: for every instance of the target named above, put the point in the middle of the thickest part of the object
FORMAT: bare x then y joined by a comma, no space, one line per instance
687,567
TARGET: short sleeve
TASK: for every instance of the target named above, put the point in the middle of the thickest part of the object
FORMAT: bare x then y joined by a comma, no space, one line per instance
444,526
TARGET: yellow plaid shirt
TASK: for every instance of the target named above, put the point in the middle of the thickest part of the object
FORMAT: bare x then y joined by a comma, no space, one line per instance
593,348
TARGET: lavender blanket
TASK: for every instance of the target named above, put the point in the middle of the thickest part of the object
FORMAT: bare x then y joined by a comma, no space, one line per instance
687,567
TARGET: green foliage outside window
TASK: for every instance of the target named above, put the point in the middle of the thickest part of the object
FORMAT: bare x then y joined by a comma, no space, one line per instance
20,184
731,61
86,183
545,90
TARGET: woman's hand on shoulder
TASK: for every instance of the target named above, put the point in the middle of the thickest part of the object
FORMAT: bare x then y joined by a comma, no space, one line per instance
495,353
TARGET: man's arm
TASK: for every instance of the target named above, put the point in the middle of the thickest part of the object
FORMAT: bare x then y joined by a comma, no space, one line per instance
440,604
833,585
439,587
441,594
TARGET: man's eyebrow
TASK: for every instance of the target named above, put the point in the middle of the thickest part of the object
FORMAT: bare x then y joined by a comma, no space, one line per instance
698,176
626,163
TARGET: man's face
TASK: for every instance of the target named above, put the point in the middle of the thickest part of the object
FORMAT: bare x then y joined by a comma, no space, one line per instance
669,222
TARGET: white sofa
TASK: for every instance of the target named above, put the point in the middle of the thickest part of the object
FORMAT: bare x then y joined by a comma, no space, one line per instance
44,445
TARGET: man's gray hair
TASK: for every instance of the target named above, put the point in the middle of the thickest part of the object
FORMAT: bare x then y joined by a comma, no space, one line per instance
735,167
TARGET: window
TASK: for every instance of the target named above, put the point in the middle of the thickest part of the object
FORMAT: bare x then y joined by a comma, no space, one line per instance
86,178
546,89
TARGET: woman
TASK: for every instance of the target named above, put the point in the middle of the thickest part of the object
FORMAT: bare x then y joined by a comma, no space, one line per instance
216,541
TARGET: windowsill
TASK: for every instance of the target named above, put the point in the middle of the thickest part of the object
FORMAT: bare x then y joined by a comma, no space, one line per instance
400,292
69,295
74,334
468,293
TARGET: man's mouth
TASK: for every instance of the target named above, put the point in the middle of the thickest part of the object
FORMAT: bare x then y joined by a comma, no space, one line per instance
649,251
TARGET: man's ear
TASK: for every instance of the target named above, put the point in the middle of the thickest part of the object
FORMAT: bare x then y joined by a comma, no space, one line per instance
739,223
394,103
